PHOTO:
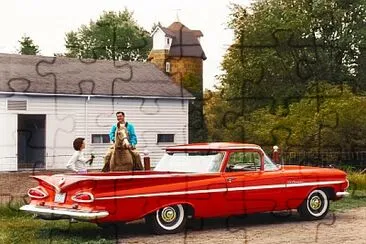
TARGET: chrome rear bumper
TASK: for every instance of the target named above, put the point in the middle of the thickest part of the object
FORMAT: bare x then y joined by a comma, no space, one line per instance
63,213
342,194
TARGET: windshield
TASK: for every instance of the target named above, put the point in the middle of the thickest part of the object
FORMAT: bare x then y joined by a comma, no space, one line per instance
268,164
197,162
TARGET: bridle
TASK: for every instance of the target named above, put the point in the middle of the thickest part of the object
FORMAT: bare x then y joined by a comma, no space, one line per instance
124,139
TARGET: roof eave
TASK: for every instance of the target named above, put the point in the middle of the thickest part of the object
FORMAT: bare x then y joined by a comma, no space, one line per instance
94,95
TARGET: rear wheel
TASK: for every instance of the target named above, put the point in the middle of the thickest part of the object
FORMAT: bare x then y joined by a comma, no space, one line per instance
315,206
168,220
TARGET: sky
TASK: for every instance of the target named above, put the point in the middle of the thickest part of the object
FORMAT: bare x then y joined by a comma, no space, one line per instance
47,21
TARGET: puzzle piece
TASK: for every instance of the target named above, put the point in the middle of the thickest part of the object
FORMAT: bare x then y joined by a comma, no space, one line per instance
117,87
23,77
302,63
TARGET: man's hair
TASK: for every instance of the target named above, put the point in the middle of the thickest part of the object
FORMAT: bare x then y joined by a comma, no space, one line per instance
77,143
119,112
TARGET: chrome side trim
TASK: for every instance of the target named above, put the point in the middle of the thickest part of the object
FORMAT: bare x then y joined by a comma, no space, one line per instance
315,183
63,213
175,193
229,189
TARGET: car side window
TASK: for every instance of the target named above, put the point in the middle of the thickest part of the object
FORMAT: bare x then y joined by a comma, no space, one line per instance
244,161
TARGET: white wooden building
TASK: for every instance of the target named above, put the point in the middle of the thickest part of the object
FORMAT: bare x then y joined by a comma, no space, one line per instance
46,102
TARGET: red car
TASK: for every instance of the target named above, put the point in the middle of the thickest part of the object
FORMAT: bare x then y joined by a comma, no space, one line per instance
190,181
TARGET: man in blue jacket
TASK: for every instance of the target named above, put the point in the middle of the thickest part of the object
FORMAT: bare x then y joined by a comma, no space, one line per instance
132,138
130,128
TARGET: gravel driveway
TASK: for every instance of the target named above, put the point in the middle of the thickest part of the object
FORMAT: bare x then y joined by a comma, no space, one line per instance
339,227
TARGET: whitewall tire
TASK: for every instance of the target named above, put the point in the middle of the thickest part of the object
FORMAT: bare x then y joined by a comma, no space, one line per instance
315,206
168,220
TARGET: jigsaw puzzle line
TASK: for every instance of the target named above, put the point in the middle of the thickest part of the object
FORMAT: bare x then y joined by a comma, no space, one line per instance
276,44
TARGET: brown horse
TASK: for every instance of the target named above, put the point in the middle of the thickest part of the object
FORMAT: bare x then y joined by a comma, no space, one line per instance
119,156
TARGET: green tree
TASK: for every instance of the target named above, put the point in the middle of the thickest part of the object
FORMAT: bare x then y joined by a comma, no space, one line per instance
217,111
114,36
197,123
335,123
281,48
27,46
282,45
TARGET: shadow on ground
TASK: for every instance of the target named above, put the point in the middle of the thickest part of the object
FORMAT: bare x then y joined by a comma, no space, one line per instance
113,232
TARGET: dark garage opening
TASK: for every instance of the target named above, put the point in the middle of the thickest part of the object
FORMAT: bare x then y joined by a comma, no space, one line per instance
31,141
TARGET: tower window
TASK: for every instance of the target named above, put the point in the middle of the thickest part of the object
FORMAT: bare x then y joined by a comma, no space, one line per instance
167,67
167,41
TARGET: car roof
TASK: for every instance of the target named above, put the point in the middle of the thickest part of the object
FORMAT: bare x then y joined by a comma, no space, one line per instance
213,146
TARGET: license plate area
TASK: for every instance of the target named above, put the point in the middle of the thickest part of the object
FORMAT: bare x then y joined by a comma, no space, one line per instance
60,197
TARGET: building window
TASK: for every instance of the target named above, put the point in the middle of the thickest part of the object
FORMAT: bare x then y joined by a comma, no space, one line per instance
100,138
164,138
168,41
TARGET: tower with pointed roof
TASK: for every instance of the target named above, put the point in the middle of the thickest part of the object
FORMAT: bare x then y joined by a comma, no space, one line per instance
177,51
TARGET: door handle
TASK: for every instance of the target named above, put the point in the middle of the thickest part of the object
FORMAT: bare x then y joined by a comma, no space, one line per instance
230,179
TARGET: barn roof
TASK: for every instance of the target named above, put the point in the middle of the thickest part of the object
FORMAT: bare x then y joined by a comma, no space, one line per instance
71,76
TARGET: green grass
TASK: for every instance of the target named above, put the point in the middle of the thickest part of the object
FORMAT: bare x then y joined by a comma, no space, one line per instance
357,180
19,227
357,198
357,190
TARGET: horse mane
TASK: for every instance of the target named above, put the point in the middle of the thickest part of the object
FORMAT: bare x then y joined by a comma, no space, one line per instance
119,124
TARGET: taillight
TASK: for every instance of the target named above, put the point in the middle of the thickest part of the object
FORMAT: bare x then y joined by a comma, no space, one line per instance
346,185
38,192
83,197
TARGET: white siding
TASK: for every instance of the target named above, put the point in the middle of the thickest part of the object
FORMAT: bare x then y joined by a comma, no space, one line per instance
160,40
8,139
68,118
149,118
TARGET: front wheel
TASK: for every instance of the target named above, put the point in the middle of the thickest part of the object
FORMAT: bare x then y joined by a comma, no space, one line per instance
315,206
168,220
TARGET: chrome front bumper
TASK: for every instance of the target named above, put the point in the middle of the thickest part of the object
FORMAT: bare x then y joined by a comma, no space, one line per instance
63,213
342,194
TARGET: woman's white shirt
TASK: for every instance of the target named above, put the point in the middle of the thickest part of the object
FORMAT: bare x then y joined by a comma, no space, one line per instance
77,162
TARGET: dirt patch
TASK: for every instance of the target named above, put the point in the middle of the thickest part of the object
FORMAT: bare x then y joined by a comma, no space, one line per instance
337,227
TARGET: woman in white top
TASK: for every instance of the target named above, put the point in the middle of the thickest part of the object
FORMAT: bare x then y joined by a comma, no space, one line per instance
77,162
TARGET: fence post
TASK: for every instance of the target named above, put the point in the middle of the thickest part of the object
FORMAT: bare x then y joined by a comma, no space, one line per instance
146,160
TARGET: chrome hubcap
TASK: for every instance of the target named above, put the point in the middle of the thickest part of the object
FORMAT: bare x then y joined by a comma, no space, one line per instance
168,214
315,202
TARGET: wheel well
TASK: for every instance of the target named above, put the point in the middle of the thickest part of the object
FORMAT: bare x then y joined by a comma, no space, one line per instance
189,209
330,192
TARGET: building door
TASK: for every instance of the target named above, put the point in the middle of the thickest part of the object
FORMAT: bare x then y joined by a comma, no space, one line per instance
31,141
